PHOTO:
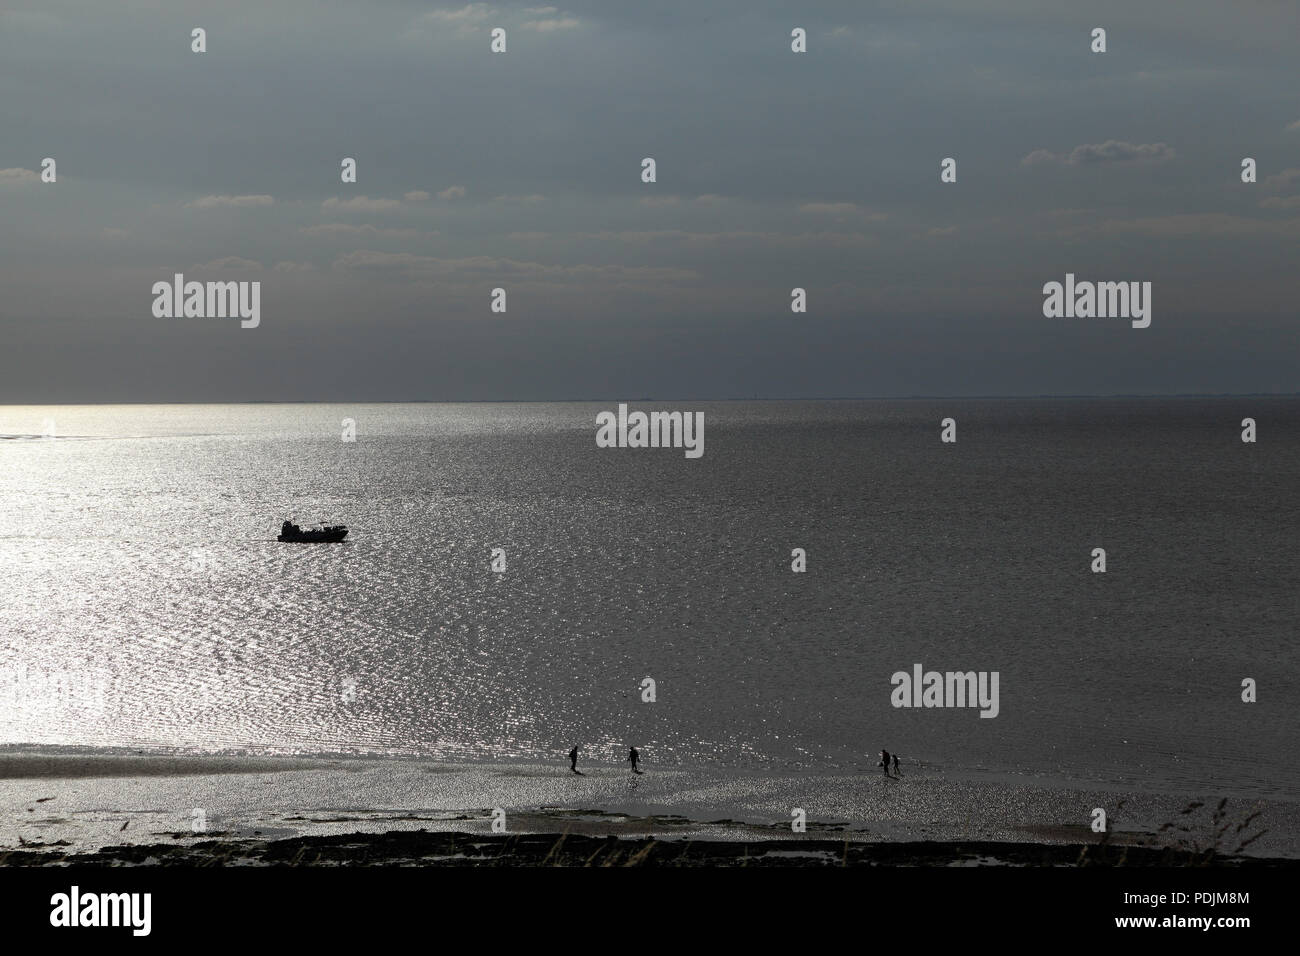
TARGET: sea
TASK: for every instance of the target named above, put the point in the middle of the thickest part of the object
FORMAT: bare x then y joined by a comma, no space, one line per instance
509,590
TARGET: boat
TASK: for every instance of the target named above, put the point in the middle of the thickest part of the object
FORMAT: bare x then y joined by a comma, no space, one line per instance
321,534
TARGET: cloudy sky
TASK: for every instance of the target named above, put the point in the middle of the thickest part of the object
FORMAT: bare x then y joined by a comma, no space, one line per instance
523,171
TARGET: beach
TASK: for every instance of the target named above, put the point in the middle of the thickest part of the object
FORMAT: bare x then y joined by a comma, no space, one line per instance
64,805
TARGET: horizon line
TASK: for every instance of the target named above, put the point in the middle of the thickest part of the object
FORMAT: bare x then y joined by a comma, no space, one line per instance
593,401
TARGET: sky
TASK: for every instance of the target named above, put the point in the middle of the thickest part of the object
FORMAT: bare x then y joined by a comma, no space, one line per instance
522,170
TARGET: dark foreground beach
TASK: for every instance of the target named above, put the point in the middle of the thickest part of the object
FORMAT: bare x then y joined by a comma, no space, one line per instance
422,848
112,808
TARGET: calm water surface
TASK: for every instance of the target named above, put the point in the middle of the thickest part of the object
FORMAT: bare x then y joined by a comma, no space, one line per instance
145,602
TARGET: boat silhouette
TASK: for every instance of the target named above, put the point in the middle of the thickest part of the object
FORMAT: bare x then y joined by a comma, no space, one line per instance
322,534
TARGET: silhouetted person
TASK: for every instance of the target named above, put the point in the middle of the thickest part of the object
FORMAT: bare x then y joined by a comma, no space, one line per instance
897,772
884,762
634,757
573,759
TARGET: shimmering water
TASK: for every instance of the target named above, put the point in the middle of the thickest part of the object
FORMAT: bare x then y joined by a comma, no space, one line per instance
145,602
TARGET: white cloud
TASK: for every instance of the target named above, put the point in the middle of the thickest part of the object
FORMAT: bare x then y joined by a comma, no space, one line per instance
1112,151
1040,157
796,240
453,192
293,267
1282,180
362,204
672,199
1116,151
841,209
350,231
409,266
465,17
228,264
1198,226
416,195
551,24
18,175
212,202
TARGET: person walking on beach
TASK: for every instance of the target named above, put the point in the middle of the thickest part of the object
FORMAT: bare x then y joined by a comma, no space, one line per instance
884,762
573,759
634,756
897,772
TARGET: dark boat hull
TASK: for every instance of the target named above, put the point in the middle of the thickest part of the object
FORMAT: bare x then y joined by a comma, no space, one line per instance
327,536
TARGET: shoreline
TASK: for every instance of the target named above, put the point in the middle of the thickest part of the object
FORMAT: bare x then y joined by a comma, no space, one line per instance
62,806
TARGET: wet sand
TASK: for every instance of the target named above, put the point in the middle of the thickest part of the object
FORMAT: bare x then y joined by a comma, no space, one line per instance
60,806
